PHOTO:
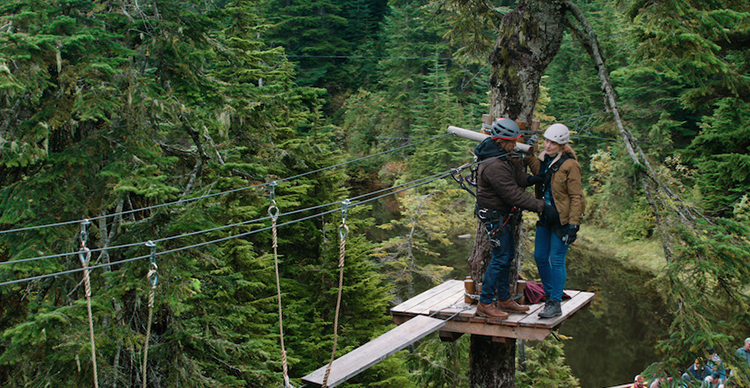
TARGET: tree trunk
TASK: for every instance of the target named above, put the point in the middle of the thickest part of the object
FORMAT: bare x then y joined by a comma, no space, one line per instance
493,364
528,40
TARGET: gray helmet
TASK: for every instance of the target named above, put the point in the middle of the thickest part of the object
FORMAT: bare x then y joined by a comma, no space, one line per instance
505,129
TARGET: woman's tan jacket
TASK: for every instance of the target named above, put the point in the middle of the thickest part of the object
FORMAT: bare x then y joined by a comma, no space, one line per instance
567,188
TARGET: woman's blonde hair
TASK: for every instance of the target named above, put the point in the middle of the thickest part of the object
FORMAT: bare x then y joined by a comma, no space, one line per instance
567,149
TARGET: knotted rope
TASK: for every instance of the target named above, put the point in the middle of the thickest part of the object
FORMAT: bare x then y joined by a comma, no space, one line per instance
273,211
153,277
343,231
85,256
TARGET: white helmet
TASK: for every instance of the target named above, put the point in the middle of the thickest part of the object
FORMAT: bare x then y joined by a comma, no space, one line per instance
558,133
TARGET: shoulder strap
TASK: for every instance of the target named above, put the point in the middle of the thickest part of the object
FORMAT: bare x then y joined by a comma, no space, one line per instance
556,166
551,170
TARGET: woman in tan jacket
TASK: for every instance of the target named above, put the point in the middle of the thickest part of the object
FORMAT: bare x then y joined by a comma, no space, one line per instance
559,184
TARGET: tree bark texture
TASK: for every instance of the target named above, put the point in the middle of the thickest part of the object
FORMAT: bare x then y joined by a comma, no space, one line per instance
528,40
493,363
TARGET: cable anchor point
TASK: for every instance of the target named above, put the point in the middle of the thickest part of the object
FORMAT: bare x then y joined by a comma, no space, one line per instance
152,276
84,233
273,210
344,229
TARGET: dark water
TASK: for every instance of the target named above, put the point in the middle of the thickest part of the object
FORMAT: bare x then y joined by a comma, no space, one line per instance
614,338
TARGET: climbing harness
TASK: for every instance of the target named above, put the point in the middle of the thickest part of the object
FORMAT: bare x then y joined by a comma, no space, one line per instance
153,278
343,231
273,212
494,221
85,256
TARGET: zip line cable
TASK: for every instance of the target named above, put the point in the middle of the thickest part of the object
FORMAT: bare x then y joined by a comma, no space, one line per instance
367,57
156,241
426,180
186,200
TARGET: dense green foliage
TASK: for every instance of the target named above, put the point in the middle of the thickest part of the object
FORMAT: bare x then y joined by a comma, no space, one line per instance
110,109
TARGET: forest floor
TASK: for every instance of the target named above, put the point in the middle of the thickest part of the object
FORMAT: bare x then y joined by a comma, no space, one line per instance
643,253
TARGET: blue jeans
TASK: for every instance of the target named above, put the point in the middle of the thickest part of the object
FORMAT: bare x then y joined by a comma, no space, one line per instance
497,276
549,253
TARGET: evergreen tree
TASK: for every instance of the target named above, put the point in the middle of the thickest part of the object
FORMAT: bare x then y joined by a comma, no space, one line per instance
323,36
133,106
720,156
543,365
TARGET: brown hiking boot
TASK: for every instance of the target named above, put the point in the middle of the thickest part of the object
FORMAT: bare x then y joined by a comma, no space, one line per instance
511,306
489,310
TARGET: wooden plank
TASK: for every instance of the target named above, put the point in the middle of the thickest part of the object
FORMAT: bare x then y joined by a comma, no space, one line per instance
363,357
408,304
444,295
459,309
569,307
532,318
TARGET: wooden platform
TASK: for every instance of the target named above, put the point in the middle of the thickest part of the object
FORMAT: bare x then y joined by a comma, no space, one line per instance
443,308
447,301
374,351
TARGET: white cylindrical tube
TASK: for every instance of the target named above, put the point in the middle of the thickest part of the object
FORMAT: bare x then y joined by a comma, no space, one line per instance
522,147
466,133
477,136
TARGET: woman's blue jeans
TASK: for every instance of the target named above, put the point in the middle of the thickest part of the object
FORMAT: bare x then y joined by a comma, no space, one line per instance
549,253
497,276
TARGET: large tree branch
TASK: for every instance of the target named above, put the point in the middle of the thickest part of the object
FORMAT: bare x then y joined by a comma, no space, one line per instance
668,199
585,34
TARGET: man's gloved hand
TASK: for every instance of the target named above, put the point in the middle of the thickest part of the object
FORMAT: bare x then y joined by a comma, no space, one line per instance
534,179
532,141
570,235
550,214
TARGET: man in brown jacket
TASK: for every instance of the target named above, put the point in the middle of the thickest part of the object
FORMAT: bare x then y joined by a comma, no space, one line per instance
500,182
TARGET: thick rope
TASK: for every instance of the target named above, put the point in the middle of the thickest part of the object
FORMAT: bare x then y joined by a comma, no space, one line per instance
273,212
87,283
342,255
151,273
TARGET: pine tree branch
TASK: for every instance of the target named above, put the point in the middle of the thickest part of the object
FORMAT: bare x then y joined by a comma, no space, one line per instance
193,176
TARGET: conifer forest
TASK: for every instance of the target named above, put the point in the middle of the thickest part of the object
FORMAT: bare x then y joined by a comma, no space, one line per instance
223,193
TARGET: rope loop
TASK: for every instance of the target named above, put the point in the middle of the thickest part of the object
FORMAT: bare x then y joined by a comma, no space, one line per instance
343,231
84,255
273,211
152,276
